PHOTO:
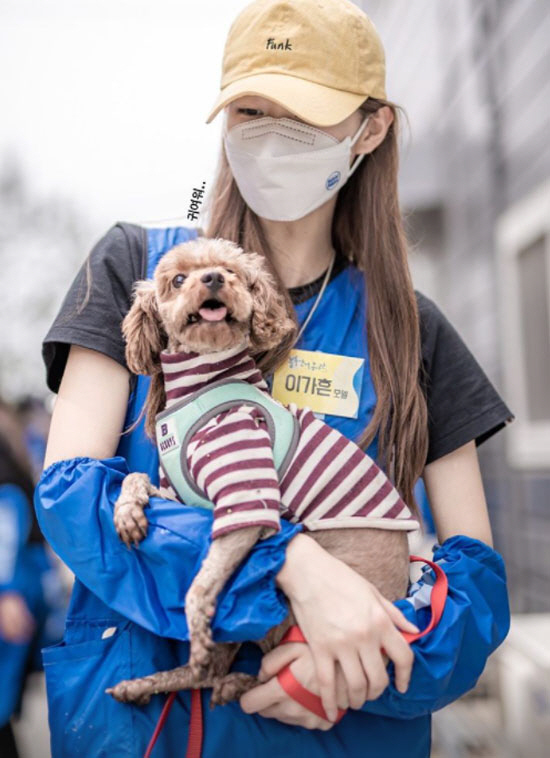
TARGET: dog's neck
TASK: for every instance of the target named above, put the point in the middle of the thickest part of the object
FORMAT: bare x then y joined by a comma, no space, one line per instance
185,373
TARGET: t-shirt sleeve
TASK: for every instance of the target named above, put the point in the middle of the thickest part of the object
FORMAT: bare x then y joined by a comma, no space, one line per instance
97,301
463,404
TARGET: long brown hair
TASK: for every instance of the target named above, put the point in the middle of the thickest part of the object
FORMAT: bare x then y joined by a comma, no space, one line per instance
367,225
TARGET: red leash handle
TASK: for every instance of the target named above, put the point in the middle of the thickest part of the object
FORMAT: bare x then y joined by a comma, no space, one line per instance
313,702
437,600
294,689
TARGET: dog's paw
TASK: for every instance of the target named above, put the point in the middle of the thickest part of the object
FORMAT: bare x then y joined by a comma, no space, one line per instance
230,687
130,691
130,522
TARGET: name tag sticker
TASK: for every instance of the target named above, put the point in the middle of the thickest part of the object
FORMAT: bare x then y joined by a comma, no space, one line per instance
325,382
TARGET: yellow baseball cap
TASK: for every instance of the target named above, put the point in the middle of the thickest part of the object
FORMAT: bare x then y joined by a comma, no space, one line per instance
319,59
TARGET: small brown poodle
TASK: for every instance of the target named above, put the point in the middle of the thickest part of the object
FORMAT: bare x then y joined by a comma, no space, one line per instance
209,309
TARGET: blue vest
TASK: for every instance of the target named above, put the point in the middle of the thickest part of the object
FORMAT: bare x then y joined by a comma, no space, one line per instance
102,645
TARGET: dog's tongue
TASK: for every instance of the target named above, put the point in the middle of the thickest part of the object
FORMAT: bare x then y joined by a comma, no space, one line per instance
213,314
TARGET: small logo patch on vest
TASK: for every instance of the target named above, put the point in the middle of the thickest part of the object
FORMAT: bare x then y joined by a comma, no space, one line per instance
168,443
168,438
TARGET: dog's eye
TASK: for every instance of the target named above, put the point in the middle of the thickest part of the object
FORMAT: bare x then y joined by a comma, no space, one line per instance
229,270
178,280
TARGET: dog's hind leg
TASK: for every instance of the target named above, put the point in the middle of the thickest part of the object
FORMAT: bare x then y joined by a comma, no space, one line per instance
140,690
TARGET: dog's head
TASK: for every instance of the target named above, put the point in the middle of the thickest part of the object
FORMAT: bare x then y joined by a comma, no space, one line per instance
207,295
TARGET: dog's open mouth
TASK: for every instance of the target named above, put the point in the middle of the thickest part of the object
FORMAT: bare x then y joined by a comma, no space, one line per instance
211,310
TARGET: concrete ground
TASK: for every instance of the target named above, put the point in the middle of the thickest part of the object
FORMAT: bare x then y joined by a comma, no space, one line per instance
31,730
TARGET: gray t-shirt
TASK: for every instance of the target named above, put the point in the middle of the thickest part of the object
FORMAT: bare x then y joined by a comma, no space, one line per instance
462,403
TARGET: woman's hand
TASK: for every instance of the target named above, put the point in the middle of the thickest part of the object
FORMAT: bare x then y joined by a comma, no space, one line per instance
271,701
16,621
346,621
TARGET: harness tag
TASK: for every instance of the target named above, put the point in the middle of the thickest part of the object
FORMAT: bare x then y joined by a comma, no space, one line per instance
324,382
168,438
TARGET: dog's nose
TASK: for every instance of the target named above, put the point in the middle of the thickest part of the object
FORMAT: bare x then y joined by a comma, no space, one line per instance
213,280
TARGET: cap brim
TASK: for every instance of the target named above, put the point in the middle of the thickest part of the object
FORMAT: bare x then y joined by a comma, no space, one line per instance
312,102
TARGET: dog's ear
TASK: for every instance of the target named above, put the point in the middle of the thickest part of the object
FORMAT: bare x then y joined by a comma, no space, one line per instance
271,321
143,332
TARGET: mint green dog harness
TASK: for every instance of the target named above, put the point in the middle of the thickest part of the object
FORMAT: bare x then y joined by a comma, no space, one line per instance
176,425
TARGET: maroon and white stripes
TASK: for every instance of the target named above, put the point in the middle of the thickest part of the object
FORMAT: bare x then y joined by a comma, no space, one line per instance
185,373
332,484
231,460
329,484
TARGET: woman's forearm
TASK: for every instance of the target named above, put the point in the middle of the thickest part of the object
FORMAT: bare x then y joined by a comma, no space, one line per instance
299,551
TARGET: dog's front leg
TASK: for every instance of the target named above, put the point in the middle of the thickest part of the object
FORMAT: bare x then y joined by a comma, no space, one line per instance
224,555
130,520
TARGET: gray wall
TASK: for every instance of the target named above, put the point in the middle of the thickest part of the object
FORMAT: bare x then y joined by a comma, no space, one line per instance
480,142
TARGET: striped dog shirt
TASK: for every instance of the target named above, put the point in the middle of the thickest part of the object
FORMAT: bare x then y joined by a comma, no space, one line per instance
329,483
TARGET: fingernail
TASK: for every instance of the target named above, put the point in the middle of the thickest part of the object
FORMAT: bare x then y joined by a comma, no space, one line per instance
414,628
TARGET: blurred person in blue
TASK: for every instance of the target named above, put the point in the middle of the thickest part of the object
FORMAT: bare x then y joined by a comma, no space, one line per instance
35,418
27,576
307,176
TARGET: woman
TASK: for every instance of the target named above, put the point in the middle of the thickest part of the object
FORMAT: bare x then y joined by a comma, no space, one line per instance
309,77
22,551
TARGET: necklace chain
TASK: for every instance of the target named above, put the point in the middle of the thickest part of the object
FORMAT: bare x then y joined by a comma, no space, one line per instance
317,299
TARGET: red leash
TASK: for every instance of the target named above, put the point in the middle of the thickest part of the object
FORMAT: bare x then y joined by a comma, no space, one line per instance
288,681
160,723
194,743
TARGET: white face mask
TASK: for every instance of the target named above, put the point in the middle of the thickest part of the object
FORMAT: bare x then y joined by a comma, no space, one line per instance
285,169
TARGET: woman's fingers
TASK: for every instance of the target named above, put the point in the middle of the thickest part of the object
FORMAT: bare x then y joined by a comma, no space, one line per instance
280,656
262,697
342,697
324,668
397,617
355,678
270,701
293,713
401,653
395,647
277,659
377,675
